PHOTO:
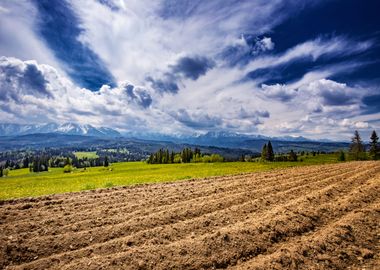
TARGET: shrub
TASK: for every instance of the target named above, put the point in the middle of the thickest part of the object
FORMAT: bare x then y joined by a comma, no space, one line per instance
68,168
6,172
206,159
216,158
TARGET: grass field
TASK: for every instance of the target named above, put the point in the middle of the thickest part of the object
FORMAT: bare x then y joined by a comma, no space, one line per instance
22,183
86,154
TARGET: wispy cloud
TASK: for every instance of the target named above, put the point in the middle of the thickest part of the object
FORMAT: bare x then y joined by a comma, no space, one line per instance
311,50
61,28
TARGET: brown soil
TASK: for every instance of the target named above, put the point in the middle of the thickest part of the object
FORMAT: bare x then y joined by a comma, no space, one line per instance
317,217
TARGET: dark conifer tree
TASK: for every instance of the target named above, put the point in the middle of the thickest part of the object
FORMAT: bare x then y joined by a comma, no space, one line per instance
25,162
269,153
68,161
106,162
292,156
374,149
356,147
167,156
160,155
150,159
264,152
96,162
36,164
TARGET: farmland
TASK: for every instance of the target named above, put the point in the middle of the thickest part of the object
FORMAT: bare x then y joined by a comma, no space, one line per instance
305,217
22,183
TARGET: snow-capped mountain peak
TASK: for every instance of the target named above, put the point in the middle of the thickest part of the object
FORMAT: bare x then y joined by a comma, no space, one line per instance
65,128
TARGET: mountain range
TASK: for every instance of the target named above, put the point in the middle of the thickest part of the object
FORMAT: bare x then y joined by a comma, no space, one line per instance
66,128
16,136
217,138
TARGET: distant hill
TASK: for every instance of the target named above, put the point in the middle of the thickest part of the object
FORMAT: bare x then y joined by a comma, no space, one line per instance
66,128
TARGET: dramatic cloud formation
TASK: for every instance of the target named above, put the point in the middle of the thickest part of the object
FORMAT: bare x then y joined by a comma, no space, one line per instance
192,66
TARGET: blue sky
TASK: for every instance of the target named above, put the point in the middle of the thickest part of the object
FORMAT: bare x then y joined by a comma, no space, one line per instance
278,67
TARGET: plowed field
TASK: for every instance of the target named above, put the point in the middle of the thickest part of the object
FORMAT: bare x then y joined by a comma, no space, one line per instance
315,217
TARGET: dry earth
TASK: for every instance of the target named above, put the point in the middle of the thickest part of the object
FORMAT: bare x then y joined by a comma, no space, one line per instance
317,217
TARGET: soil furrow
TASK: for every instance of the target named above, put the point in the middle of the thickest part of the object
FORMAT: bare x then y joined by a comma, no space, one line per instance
194,188
331,247
107,216
267,232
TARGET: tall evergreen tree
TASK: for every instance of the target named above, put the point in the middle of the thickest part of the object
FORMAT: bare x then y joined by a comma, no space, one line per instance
36,164
292,156
374,149
167,157
150,159
269,153
106,162
160,156
1,171
264,152
25,162
356,147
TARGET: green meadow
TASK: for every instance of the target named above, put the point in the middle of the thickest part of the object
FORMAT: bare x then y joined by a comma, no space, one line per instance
22,183
86,155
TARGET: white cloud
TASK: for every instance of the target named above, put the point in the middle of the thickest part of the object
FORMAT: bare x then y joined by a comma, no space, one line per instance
313,49
353,124
18,39
62,101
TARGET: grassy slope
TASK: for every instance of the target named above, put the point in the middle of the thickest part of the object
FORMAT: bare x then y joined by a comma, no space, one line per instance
22,183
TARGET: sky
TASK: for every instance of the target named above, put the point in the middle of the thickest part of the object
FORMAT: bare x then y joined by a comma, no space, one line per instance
278,68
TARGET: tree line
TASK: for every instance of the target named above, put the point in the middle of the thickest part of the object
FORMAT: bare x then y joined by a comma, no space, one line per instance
267,154
187,155
41,163
357,150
